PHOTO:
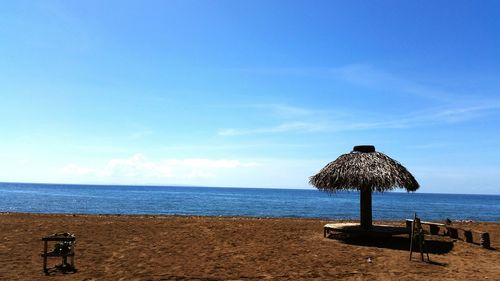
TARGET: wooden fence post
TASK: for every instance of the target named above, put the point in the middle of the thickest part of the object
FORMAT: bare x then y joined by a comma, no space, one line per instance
434,229
453,232
468,236
484,240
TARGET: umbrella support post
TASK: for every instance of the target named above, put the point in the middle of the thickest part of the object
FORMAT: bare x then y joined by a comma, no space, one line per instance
366,208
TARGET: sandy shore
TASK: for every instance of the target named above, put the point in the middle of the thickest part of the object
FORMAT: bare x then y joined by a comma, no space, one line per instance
212,248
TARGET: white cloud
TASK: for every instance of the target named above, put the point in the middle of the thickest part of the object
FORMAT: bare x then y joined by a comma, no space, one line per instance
140,167
74,169
138,170
136,166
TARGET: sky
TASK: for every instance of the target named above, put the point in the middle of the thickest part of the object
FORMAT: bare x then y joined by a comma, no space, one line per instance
248,93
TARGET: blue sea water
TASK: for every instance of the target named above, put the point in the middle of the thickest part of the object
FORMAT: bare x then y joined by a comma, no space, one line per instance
255,202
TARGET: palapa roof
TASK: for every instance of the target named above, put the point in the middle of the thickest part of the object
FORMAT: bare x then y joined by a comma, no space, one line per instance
359,169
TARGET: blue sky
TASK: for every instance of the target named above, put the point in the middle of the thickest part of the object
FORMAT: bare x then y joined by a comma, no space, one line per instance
248,93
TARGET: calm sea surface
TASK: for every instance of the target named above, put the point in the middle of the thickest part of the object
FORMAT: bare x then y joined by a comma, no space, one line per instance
204,201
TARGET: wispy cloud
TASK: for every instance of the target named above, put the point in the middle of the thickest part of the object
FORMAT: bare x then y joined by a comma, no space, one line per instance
437,103
431,117
139,134
62,22
302,127
285,110
278,110
378,79
371,77
457,114
445,115
283,71
225,146
438,116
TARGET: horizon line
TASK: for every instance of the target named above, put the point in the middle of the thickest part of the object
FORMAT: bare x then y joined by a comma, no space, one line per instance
233,187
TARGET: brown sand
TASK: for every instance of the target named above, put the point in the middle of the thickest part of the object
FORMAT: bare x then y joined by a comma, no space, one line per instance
213,248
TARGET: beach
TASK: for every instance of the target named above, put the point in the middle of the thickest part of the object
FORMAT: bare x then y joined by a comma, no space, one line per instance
125,247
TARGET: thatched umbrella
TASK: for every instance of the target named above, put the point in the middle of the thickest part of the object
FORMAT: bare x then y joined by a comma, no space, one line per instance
365,170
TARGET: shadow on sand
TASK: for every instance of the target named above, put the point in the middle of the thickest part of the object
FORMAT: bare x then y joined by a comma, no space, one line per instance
434,246
60,270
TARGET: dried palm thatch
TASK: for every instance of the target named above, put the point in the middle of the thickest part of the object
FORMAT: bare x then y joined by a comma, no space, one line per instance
365,170
357,170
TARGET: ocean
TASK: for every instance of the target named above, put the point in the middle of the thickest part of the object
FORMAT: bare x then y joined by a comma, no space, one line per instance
253,202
